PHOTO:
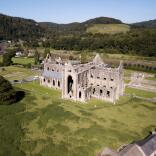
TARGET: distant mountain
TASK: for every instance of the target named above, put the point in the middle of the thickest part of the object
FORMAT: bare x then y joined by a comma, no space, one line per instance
146,24
16,27
77,27
103,20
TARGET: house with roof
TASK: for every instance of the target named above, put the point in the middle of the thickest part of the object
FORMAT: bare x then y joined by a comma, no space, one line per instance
145,147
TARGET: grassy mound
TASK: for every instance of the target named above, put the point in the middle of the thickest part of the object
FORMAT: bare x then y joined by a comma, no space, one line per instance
108,28
7,93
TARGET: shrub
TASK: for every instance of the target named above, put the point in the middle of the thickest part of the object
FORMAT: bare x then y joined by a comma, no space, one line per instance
7,93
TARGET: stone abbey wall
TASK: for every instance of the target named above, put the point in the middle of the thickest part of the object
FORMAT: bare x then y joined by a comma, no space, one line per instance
80,82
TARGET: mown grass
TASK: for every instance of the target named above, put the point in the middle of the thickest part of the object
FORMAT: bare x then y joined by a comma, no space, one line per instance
16,73
108,28
11,130
130,57
141,93
23,60
51,125
1,58
151,78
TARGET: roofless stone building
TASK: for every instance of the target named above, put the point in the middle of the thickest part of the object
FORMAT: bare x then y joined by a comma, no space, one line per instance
80,82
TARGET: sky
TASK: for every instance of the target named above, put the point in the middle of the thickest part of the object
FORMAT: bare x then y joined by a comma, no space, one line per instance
67,11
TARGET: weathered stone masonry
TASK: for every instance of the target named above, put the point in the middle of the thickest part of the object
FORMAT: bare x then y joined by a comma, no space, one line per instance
80,82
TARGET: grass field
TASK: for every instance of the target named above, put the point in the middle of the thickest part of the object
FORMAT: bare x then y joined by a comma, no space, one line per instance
141,93
17,73
130,57
0,58
44,124
20,60
108,28
151,78
23,60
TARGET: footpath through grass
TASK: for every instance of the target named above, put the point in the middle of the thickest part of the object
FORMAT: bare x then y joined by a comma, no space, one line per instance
43,124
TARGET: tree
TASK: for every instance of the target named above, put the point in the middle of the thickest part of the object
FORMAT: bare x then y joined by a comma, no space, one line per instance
36,57
7,58
46,51
83,57
7,93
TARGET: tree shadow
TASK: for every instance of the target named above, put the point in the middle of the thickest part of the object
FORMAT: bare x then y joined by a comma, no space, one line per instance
19,95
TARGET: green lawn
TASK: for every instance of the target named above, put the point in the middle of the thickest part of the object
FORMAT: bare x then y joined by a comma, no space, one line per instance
16,73
108,28
151,78
44,124
1,58
23,60
130,57
140,93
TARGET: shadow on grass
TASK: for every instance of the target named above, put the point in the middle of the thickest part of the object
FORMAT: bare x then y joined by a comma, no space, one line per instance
19,95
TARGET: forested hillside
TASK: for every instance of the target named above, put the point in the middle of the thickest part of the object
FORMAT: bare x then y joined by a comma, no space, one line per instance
139,39
19,28
146,24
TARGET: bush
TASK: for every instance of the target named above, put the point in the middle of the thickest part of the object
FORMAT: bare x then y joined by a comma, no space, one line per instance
7,94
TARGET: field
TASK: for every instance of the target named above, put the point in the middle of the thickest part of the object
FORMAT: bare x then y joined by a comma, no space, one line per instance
20,60
151,78
23,60
43,123
108,28
0,58
17,73
141,93
131,57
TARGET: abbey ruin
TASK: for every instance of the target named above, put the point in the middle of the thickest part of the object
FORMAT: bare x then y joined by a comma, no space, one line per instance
81,82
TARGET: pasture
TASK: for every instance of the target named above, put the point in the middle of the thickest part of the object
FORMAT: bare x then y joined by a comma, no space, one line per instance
23,60
108,28
17,73
44,124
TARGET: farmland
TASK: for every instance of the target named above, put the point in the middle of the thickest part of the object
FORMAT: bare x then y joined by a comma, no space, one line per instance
108,28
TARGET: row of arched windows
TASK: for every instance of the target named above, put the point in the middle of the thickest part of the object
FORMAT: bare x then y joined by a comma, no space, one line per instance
54,82
52,69
100,78
101,92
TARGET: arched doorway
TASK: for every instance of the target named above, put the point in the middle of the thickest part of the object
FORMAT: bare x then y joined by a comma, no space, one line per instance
80,95
58,83
70,83
53,82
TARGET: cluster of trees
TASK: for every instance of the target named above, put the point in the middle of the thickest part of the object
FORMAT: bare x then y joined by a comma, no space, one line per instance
137,41
7,58
12,28
7,93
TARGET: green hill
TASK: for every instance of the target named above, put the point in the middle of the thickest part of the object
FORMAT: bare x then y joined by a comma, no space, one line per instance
145,24
16,27
76,27
108,28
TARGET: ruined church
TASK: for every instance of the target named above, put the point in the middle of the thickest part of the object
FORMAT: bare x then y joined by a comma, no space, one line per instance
81,82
